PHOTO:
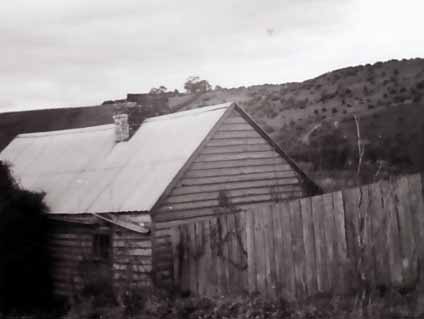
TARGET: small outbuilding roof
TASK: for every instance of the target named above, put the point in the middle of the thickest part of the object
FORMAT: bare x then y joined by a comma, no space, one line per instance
85,171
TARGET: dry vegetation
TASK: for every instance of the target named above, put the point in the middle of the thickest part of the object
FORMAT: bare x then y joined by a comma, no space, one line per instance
314,120
158,305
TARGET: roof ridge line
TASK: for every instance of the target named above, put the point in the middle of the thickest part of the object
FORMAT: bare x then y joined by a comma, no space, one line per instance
102,127
194,111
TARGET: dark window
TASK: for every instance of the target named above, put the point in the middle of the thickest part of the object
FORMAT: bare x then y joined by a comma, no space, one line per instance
102,246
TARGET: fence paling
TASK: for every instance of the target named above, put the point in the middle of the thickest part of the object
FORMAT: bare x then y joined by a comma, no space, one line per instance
330,243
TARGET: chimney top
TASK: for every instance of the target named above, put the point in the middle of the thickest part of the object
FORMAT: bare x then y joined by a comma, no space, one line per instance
122,129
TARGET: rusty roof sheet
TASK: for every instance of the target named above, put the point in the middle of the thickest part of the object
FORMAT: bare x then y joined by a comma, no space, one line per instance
85,171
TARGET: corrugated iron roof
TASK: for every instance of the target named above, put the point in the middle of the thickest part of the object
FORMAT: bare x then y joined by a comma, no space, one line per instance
85,171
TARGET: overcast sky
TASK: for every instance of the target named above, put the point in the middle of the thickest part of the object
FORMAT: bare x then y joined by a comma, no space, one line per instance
82,52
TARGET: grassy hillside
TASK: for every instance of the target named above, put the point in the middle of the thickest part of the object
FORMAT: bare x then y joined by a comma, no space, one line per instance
313,120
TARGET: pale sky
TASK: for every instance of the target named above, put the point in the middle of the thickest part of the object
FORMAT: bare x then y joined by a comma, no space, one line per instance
82,52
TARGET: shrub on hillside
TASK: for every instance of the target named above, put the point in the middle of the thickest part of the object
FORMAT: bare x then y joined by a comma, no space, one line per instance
270,111
348,92
275,98
417,98
302,103
399,98
420,85
333,151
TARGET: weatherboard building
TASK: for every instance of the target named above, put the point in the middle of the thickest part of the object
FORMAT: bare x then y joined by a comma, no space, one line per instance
115,198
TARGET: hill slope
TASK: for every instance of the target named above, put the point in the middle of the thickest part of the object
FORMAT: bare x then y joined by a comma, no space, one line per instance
315,123
313,120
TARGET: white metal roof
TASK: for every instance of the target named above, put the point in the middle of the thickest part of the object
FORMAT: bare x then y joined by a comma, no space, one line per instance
85,171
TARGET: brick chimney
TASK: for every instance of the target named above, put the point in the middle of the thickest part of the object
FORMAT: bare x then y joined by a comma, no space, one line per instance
129,115
122,129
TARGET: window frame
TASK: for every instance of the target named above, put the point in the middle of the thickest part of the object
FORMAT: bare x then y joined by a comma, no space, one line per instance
102,246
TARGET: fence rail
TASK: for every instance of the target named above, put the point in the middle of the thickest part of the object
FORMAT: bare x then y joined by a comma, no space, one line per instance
371,235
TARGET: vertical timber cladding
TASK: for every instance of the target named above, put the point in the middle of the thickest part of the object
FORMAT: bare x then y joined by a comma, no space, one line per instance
236,161
125,255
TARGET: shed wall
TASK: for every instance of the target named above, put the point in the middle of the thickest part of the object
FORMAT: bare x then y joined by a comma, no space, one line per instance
236,160
132,259
71,247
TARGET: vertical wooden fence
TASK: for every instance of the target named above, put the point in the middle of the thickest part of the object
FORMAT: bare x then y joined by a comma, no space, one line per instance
372,234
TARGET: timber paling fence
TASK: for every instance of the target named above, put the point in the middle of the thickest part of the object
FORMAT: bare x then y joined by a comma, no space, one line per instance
331,243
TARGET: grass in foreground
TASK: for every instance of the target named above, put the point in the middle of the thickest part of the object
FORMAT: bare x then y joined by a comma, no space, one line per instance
391,305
